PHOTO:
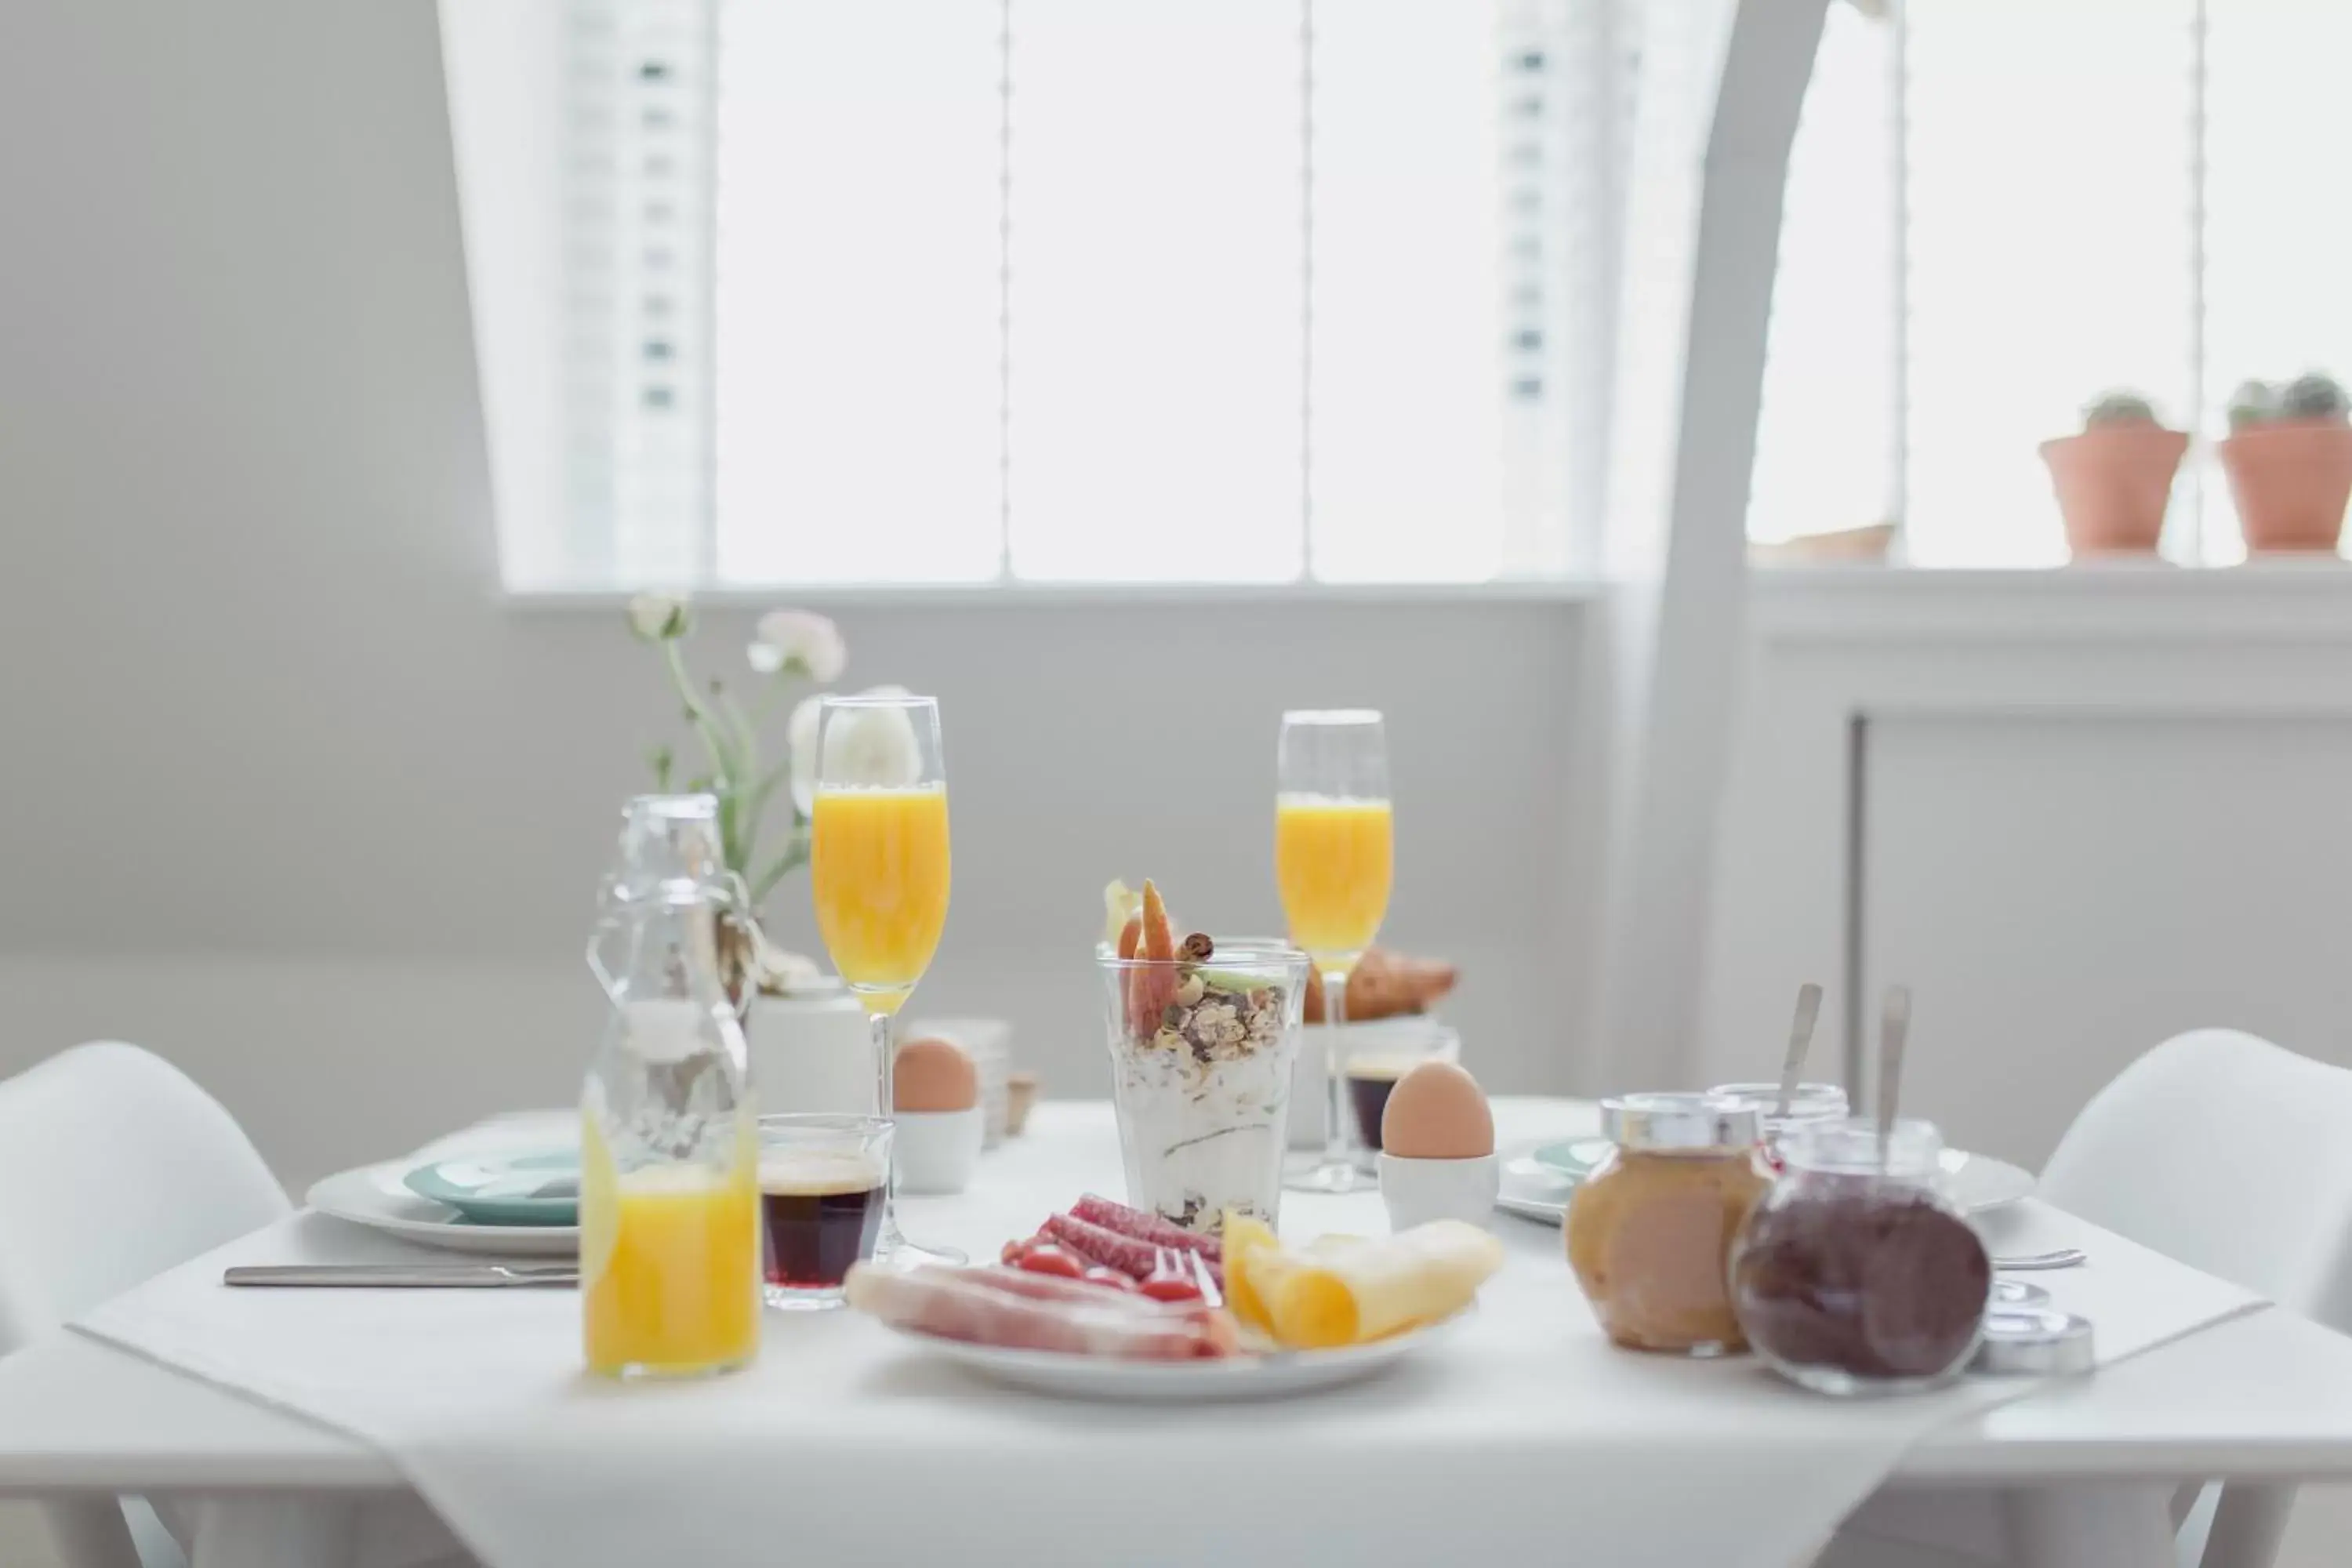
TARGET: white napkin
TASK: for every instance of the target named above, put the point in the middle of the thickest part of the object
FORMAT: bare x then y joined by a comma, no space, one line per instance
1525,1431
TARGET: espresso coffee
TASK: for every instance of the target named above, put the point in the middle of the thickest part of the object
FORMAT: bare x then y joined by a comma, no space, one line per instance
1371,1080
819,1212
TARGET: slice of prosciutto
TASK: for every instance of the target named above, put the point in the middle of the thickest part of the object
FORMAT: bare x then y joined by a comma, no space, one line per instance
1012,1309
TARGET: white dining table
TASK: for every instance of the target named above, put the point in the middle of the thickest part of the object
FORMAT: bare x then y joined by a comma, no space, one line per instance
2087,1466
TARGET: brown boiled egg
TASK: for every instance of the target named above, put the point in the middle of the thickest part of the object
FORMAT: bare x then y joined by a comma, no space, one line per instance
934,1074
1437,1111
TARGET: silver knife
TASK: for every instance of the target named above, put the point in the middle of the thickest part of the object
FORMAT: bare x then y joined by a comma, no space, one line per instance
407,1276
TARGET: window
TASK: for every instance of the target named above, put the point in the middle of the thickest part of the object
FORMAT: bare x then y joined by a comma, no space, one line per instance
1999,209
1054,290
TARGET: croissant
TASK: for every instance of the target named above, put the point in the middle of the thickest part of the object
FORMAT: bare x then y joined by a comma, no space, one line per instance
1386,985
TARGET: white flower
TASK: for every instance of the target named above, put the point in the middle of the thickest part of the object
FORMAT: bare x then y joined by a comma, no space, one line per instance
783,974
873,746
659,617
801,638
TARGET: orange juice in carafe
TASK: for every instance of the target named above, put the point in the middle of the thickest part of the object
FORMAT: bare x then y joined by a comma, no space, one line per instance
669,1217
669,1260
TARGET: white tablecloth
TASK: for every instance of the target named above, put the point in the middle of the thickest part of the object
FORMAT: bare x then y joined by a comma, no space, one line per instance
1525,1431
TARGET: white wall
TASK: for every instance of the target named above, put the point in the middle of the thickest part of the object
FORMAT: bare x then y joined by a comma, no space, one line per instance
2099,806
295,797
2083,811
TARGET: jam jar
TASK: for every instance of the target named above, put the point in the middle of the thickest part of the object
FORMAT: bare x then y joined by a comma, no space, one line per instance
1650,1231
1857,1274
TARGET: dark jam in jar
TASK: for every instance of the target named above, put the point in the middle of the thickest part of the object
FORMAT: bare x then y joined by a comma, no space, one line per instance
1849,1281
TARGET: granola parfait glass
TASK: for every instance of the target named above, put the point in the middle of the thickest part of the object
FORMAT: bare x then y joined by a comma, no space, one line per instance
1200,1052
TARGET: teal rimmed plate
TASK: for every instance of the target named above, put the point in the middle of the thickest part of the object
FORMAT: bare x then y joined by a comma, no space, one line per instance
1574,1158
520,1189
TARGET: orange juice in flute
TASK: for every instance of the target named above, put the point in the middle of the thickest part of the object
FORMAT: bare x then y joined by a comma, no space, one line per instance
879,873
881,885
1333,859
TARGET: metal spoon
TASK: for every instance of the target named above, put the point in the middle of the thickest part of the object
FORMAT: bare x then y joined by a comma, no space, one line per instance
1894,1024
2063,1258
1801,1040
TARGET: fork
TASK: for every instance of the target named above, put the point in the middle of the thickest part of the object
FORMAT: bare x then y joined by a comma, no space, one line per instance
1204,1280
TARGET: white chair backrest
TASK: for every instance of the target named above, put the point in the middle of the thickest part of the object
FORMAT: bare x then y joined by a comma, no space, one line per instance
113,1167
2229,1153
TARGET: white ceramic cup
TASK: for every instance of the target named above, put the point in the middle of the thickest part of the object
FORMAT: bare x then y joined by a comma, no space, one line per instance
1419,1191
935,1151
812,1053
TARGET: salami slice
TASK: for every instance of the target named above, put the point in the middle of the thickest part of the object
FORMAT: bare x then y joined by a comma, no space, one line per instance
1134,1258
1142,1227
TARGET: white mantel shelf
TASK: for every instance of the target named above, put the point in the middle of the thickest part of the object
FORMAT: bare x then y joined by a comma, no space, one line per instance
2102,602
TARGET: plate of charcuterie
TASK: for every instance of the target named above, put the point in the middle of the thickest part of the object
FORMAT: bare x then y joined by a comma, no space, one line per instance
1243,1374
1108,1302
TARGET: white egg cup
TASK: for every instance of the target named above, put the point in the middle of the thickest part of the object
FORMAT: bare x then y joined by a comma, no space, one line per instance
1419,1191
936,1150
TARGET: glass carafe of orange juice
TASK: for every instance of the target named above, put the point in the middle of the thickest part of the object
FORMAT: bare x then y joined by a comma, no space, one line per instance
670,1219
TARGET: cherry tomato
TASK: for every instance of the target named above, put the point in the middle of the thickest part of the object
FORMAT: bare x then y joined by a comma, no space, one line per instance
1052,1259
1169,1288
1112,1277
1014,1251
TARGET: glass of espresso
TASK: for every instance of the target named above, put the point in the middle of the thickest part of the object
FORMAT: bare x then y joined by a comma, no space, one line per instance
821,1180
1377,1058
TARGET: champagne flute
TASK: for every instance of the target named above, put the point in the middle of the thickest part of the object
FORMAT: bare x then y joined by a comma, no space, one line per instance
879,873
1333,855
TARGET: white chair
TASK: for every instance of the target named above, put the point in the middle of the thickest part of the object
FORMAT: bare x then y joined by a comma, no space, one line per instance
113,1168
2229,1153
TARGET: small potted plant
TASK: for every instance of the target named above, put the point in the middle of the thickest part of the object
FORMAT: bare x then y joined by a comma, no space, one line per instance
2289,458
2114,479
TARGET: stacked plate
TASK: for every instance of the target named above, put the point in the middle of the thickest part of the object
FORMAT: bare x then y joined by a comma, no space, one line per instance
507,1204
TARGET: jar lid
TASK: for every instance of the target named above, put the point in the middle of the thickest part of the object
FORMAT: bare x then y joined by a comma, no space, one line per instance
1653,1121
2035,1341
1912,1151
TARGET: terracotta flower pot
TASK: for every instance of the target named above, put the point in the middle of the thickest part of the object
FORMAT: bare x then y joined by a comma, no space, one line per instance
2113,482
2291,480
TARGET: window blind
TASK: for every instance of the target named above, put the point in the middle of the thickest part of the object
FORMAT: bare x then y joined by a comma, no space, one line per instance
637,204
1119,290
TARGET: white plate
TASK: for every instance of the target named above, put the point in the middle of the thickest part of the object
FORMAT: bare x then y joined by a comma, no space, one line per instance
1979,1184
1184,1382
373,1196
